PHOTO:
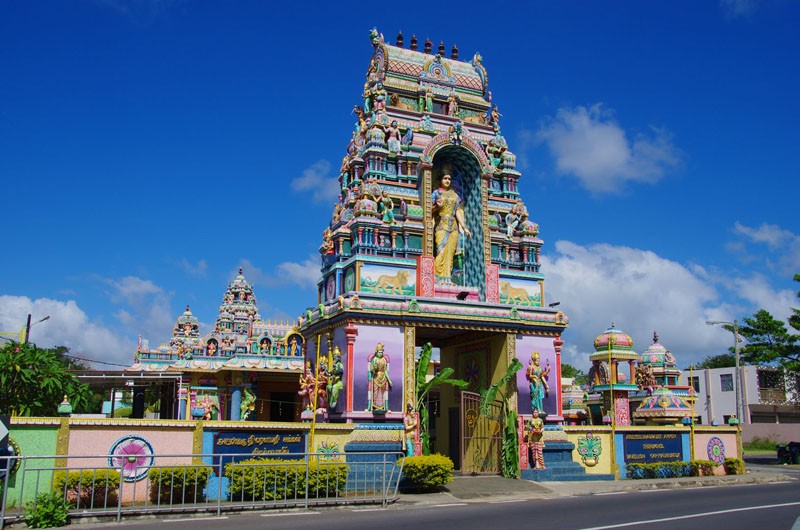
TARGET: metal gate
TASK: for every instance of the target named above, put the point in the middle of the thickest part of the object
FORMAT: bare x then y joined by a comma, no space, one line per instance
481,436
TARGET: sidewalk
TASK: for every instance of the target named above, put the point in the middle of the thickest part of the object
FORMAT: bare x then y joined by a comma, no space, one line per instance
493,488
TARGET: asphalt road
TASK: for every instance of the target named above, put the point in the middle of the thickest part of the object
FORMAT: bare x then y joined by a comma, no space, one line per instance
772,506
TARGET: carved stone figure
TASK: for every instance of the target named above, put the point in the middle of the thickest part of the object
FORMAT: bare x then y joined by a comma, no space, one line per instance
410,425
537,376
248,405
335,383
536,441
450,224
379,382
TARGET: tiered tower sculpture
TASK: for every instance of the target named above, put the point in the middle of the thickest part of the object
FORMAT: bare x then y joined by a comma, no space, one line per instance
429,241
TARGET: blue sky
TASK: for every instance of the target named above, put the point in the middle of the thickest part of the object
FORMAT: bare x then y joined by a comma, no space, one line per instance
148,149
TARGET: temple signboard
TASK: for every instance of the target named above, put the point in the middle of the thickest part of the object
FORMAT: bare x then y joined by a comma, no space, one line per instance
642,448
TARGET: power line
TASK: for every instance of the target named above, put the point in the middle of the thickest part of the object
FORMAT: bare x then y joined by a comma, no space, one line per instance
94,361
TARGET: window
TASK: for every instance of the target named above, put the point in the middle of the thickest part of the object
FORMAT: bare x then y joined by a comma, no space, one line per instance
694,382
726,382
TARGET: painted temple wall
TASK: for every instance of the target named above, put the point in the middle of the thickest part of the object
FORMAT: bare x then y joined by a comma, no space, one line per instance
173,443
368,338
547,353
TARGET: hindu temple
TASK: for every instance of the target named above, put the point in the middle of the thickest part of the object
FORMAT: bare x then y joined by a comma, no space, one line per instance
430,241
246,368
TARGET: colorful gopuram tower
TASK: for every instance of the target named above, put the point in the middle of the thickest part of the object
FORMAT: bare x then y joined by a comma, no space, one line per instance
245,368
661,400
429,241
611,381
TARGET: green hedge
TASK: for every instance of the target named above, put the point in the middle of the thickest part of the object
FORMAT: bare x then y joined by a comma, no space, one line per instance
274,479
703,468
89,487
733,466
179,484
427,473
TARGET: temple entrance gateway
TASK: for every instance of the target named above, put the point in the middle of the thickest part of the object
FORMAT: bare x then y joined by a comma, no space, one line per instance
428,242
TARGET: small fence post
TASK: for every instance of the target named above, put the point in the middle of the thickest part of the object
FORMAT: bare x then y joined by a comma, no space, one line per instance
9,465
119,493
219,486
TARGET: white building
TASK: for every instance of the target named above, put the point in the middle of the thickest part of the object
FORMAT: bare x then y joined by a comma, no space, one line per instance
767,397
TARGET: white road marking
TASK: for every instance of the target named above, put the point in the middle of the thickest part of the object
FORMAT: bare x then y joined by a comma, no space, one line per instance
610,493
694,516
195,519
506,502
370,510
288,514
451,504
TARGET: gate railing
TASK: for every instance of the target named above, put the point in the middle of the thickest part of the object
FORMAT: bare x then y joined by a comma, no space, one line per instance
481,438
100,486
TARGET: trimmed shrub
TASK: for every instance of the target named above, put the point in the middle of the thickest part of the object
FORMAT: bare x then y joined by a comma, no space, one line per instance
659,470
179,484
427,473
88,488
47,511
273,479
733,466
703,468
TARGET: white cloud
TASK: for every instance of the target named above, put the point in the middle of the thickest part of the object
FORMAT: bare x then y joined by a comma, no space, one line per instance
148,310
199,270
738,8
757,290
304,274
316,180
637,290
783,246
589,144
69,326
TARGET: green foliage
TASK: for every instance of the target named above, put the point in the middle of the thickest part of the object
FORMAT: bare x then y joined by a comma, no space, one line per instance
659,470
427,473
760,444
88,488
724,360
768,341
703,468
273,479
733,466
33,381
179,484
423,388
579,378
509,462
48,511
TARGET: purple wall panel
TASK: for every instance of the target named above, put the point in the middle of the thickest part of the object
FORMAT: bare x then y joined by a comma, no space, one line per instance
368,338
547,353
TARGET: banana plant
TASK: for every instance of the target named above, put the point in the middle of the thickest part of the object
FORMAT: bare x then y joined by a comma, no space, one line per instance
509,462
424,387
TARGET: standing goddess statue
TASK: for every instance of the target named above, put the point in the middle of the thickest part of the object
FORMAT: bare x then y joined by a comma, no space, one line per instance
450,224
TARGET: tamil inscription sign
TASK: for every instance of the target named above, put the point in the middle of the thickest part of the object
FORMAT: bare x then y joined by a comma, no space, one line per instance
647,447
237,445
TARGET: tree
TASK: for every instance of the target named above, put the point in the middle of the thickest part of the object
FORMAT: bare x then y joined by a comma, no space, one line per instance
723,360
509,463
33,381
769,342
424,387
578,377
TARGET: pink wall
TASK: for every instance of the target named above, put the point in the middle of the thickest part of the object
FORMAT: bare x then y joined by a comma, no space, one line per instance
91,441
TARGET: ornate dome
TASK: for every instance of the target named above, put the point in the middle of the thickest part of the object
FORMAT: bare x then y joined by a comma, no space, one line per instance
613,343
187,325
616,337
664,406
657,355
